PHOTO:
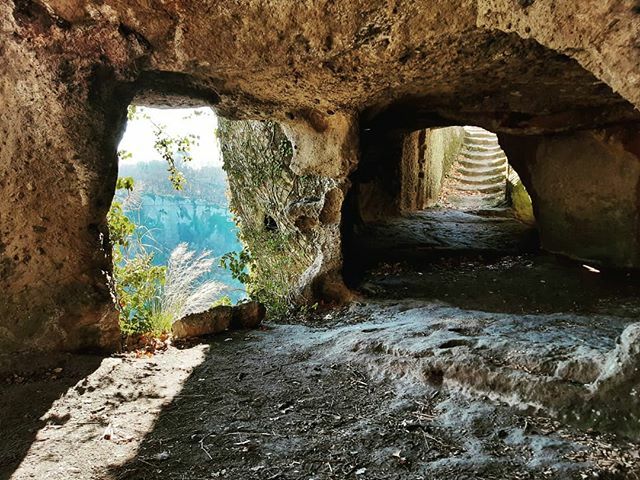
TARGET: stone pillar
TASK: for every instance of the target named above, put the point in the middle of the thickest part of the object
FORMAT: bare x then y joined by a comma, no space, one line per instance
59,127
585,188
410,168
326,146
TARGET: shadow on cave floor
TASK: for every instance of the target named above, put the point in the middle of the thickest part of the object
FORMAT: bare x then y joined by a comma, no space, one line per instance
436,232
29,386
362,392
297,403
486,261
417,381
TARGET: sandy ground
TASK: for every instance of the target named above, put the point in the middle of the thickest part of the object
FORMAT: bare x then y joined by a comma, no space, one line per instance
272,405
353,396
442,371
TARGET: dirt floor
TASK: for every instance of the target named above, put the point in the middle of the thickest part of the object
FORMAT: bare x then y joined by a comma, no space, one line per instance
457,366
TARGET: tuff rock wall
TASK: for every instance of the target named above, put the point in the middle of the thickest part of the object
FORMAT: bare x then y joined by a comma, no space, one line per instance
585,188
406,174
348,80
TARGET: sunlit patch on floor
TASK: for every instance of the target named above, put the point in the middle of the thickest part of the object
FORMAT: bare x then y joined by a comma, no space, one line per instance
101,420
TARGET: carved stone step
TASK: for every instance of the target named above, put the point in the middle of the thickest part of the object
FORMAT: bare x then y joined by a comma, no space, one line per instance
482,171
495,180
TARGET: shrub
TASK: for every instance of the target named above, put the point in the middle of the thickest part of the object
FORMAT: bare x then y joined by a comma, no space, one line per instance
184,291
138,285
271,272
149,298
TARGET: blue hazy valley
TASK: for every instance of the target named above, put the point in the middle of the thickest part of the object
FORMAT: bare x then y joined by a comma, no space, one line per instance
198,215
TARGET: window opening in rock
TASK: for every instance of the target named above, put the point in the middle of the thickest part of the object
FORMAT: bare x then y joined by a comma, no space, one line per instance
170,221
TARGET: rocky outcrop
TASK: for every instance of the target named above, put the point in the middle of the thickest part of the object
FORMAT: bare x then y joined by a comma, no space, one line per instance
588,378
247,315
519,198
299,245
349,80
219,319
214,320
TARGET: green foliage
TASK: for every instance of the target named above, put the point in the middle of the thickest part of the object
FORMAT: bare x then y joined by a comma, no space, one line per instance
520,200
132,112
120,227
237,263
124,155
125,183
224,301
172,148
138,289
137,283
274,263
256,158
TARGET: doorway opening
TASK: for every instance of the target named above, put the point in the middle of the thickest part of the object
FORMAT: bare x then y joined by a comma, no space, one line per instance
458,184
480,177
170,222
444,197
442,190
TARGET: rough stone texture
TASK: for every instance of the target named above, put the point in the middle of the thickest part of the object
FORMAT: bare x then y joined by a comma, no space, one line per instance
327,69
442,146
412,170
528,361
247,315
215,320
584,188
324,146
328,148
405,176
218,319
445,230
56,136
615,389
601,36
520,198
323,280
304,208
427,167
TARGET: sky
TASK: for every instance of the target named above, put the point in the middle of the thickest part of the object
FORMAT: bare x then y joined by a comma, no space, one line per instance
138,138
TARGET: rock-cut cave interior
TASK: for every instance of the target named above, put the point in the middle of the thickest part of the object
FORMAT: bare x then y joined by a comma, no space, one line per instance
471,303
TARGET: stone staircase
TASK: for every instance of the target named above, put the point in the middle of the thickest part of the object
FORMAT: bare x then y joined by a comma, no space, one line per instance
478,178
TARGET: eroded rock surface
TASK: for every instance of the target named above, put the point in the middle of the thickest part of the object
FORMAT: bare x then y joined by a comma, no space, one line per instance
214,320
219,319
528,361
297,399
247,315
584,188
